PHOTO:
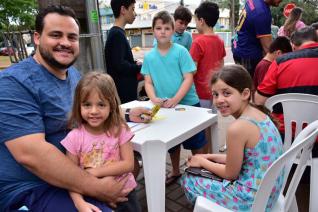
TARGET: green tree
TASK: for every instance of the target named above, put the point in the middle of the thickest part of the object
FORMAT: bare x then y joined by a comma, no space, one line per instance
17,14
228,4
310,11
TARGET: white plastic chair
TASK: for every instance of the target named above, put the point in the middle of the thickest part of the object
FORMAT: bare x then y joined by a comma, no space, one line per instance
300,109
302,147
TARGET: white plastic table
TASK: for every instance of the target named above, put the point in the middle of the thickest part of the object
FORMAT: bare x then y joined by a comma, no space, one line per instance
153,141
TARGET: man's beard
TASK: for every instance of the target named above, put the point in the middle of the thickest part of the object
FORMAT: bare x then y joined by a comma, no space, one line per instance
49,59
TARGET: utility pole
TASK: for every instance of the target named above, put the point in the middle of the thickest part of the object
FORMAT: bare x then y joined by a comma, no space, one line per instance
233,17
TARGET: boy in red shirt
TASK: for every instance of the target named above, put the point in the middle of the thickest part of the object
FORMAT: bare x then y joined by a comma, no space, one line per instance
207,51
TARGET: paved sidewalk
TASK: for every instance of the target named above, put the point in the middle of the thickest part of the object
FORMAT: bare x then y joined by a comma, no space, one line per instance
175,199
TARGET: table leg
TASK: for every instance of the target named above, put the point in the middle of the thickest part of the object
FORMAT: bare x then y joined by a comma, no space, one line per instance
154,165
214,137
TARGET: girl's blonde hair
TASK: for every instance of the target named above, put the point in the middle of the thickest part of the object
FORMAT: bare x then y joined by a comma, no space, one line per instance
105,86
290,22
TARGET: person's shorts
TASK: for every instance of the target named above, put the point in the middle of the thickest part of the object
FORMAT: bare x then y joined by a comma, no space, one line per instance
51,199
205,103
195,142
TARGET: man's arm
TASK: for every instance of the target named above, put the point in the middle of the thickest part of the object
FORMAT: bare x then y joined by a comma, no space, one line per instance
47,162
265,42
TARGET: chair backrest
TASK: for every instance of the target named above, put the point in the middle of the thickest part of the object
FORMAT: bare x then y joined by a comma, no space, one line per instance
298,108
302,147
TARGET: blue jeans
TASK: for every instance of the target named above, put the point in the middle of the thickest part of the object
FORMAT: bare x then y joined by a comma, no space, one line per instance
51,199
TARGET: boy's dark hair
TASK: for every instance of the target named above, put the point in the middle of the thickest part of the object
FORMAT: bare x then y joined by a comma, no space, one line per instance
280,43
209,11
314,25
59,9
165,17
182,13
302,35
116,5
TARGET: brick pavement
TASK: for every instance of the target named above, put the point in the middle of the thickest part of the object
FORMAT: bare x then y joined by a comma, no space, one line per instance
175,199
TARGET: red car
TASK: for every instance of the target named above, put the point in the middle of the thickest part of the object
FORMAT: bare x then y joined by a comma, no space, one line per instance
6,51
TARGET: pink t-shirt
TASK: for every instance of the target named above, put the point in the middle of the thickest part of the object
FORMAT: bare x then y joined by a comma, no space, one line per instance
95,150
299,25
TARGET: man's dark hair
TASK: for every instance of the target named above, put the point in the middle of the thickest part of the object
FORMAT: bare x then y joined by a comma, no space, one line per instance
182,13
209,11
280,43
116,5
303,35
59,9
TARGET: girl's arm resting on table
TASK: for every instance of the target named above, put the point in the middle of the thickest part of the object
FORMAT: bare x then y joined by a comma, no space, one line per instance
125,165
151,91
183,90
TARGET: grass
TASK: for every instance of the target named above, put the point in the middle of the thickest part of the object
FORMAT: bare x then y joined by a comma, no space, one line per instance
4,62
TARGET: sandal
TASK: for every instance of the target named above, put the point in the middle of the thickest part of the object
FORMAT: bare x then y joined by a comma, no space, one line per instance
172,179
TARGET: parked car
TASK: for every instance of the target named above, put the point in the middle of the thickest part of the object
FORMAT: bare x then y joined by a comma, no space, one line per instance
6,51
29,48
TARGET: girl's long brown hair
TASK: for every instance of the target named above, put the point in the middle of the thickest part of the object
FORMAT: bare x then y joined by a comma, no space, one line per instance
290,22
105,86
238,77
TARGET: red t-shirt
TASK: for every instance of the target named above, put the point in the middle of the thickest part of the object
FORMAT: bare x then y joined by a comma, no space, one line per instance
260,71
294,72
207,51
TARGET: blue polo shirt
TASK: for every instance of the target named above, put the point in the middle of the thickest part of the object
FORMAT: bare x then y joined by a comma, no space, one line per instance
32,100
254,22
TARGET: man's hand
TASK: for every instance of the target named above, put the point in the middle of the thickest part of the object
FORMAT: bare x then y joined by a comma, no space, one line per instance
140,114
112,190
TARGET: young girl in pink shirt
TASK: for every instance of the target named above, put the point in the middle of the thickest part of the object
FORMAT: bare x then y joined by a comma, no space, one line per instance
100,138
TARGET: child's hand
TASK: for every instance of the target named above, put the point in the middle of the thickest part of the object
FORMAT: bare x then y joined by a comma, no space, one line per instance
195,161
157,101
170,103
87,207
92,171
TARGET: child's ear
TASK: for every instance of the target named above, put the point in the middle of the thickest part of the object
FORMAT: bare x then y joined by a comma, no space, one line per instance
122,10
246,93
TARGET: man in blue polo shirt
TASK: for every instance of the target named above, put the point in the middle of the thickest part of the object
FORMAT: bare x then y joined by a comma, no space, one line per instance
253,33
35,99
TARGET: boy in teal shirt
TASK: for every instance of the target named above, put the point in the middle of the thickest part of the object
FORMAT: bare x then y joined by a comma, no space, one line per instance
168,71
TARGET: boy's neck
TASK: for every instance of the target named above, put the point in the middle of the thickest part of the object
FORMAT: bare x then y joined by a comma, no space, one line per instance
120,22
208,31
164,47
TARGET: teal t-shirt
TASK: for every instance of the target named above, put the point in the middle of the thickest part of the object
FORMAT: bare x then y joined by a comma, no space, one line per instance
167,72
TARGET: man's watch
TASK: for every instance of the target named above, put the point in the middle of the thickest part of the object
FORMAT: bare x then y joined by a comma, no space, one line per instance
127,112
